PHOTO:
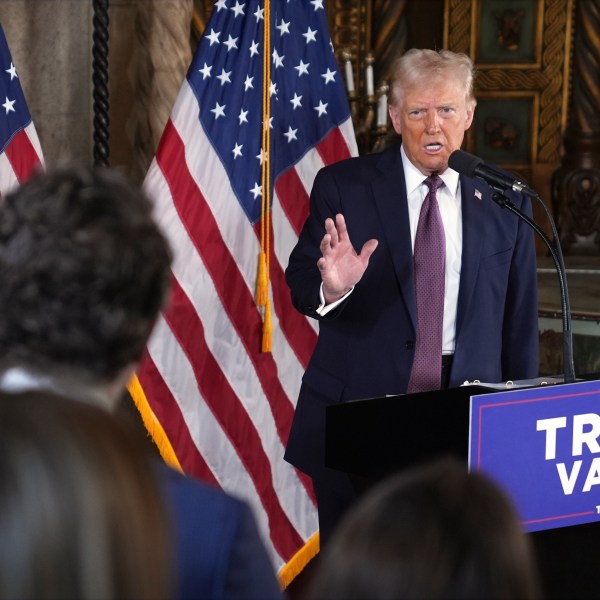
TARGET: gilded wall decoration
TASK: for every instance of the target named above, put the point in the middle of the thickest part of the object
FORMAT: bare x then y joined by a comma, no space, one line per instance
522,55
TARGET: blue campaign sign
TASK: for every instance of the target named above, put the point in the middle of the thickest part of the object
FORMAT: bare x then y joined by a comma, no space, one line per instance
542,445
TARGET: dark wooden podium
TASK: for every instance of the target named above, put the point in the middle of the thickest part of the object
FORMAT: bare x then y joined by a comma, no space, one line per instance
372,438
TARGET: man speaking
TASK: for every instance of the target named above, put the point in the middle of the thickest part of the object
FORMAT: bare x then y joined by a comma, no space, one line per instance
419,280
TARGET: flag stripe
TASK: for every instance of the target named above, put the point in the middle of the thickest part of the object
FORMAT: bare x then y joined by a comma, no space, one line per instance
293,198
209,438
234,404
235,296
228,412
22,155
205,432
298,333
165,411
210,178
34,140
20,150
188,269
213,255
8,178
333,147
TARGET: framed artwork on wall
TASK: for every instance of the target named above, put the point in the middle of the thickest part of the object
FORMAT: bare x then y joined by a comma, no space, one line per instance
505,128
510,32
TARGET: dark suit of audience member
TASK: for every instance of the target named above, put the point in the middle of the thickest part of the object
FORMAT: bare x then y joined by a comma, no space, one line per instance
433,532
85,271
353,269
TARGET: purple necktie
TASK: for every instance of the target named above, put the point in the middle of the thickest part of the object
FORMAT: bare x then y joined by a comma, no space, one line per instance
430,260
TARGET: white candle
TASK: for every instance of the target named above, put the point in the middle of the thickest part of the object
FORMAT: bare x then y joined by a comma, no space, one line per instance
382,110
370,86
349,76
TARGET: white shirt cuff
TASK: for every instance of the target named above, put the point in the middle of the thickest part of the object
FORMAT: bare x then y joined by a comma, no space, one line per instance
322,310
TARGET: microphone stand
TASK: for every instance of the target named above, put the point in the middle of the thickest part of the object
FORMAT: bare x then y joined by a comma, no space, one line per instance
555,250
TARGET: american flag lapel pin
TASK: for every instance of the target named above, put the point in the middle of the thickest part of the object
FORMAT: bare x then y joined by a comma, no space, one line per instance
478,194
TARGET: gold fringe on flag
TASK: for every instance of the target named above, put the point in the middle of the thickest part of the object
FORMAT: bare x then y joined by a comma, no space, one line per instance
262,283
296,564
152,424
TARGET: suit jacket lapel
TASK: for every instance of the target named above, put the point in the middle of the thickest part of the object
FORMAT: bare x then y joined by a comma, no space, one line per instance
474,206
389,193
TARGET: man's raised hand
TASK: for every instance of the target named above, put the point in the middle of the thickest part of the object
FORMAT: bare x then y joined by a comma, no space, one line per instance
341,267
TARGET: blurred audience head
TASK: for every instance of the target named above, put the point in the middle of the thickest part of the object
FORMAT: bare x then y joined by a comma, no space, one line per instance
84,271
81,514
435,532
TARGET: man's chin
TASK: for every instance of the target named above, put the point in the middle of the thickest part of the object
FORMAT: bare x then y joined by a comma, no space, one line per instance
436,165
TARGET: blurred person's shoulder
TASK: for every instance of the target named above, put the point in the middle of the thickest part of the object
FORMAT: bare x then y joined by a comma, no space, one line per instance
218,544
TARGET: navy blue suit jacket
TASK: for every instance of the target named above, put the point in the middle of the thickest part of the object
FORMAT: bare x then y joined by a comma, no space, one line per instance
366,346
219,554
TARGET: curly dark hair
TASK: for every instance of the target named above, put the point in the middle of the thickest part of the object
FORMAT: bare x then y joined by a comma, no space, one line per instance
84,271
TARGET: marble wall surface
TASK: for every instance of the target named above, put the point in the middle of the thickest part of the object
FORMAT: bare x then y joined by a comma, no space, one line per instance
51,45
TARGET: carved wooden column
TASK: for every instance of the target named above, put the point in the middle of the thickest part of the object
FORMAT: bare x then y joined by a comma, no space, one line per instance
576,184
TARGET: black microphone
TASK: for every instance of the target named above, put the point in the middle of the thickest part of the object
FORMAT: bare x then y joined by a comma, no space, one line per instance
473,166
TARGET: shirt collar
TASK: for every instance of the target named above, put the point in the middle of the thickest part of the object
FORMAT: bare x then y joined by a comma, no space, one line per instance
19,379
414,178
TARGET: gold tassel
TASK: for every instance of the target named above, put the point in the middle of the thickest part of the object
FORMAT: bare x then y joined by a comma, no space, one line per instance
267,329
262,283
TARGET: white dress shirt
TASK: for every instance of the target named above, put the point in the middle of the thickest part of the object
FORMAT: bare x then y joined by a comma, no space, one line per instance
449,198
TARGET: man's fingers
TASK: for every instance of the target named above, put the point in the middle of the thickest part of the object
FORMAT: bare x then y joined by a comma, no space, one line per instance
341,229
325,244
332,231
368,249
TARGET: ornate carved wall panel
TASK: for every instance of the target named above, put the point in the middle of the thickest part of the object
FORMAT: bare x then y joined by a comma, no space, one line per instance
521,51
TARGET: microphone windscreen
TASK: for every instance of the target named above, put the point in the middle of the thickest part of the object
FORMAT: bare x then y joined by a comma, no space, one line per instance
464,163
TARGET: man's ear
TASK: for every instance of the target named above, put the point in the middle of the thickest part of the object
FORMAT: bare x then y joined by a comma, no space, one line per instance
395,118
470,116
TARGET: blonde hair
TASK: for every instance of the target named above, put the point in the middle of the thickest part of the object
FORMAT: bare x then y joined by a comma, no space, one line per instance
417,66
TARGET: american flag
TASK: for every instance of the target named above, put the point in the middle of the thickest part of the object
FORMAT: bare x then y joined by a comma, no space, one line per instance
225,407
20,150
